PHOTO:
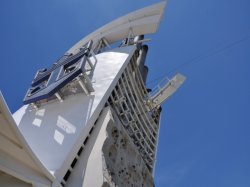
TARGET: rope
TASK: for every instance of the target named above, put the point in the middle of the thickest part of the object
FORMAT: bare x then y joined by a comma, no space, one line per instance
201,57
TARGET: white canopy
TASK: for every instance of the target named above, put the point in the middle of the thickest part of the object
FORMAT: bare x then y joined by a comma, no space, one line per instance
142,21
16,157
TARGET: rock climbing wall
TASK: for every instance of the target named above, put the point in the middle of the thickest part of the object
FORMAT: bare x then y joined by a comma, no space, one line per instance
109,158
124,165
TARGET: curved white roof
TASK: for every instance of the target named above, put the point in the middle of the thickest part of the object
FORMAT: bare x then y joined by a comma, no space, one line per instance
142,21
16,157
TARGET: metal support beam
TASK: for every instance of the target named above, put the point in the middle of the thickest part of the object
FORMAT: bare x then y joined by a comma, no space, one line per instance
59,97
82,86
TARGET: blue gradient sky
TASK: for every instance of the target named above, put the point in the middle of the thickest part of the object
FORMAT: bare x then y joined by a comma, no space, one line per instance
204,139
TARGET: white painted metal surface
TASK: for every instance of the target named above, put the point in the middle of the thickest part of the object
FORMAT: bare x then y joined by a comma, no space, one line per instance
143,21
7,180
166,89
55,130
16,157
89,171
39,146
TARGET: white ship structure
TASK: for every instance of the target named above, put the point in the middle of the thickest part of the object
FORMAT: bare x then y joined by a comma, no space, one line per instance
89,120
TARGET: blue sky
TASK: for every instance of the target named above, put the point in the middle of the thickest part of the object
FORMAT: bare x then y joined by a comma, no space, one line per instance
204,138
